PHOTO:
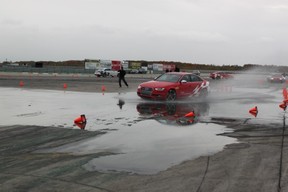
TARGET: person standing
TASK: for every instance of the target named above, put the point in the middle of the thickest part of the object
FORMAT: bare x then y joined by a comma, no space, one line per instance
121,76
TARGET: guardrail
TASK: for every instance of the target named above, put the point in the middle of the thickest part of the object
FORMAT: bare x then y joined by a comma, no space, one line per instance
81,70
68,70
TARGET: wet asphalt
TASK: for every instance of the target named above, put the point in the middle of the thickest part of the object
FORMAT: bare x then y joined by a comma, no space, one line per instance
128,135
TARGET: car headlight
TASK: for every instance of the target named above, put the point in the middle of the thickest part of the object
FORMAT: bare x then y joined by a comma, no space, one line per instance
159,89
139,86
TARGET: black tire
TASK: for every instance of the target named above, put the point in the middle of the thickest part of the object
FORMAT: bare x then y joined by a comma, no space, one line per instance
171,95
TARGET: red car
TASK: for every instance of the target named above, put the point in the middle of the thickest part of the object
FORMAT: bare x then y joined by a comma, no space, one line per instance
276,78
172,86
220,75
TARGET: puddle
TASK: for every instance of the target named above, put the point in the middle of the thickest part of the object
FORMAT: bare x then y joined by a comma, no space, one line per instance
150,147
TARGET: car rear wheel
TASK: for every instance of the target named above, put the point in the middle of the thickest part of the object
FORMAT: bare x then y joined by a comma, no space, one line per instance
171,96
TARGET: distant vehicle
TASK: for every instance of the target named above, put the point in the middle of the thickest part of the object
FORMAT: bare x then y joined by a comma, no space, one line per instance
221,75
196,72
106,72
172,86
137,71
142,71
134,71
276,78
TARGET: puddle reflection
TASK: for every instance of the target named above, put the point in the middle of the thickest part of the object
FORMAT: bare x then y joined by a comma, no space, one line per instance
120,103
174,113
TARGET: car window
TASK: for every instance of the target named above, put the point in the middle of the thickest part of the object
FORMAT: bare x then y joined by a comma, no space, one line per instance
169,77
195,78
186,77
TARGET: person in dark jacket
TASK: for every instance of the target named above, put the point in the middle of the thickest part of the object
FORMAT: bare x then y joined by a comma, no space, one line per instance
121,76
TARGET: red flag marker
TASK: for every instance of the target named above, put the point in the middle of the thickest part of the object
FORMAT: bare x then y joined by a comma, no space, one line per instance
285,94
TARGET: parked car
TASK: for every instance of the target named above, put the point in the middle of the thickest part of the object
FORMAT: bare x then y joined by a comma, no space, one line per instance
172,86
221,75
276,78
134,71
105,72
142,71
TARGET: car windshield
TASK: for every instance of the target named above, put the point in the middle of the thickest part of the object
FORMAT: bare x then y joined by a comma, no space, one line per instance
169,77
276,75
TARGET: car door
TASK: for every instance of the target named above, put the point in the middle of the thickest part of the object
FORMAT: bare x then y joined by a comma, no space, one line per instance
185,86
195,84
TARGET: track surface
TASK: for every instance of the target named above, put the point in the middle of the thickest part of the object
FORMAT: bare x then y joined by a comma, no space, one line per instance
257,163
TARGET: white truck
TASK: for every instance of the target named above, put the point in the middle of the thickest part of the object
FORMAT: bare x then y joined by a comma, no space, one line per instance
106,72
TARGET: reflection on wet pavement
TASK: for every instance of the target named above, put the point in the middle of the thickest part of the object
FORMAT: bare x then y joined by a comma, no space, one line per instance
145,136
174,113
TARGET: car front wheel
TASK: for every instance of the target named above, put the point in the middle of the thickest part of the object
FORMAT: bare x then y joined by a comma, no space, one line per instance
171,96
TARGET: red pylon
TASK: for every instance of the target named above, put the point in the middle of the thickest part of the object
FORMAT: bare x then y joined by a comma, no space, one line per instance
80,120
65,86
190,114
21,83
254,111
103,88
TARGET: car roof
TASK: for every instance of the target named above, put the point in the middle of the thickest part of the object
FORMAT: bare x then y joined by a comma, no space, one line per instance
180,73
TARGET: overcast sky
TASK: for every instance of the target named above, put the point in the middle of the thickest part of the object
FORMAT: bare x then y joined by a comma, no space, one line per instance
229,32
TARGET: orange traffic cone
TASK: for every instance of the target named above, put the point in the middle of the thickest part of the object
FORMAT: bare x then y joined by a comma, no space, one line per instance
190,114
254,111
65,86
21,83
103,88
283,105
80,120
81,125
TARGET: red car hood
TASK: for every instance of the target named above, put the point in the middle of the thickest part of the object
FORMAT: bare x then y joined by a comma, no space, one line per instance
154,84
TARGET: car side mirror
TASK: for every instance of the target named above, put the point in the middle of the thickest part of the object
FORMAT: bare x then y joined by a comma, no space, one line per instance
183,81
